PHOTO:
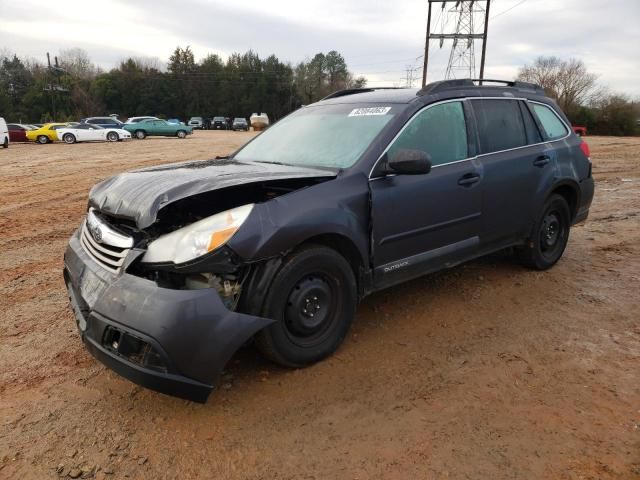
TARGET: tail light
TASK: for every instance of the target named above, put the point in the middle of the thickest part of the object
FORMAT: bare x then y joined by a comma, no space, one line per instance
587,153
585,149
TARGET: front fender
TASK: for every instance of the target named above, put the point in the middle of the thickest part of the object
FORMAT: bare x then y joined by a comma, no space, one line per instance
339,206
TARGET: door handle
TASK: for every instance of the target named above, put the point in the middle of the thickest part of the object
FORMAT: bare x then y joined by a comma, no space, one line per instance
541,161
468,179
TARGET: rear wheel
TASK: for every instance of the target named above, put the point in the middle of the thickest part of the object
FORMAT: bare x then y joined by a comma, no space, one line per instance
313,299
5,144
140,134
42,139
69,138
112,137
181,134
550,235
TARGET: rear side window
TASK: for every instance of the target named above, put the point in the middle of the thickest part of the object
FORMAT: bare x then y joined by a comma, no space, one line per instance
552,126
440,131
533,133
500,125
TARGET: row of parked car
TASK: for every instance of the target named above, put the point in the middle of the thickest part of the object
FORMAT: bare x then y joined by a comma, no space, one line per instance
219,123
111,129
92,129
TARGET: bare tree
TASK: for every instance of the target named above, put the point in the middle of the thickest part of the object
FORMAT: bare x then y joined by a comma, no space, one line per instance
77,62
568,81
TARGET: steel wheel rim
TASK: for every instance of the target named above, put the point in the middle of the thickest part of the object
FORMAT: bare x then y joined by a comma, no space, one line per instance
311,309
552,233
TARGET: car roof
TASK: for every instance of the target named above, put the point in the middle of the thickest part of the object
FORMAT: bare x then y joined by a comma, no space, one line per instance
436,90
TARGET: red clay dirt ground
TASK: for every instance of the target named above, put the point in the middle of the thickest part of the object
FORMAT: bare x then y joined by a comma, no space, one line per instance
487,370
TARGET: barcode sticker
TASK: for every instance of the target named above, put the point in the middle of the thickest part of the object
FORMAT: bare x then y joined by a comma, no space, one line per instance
364,112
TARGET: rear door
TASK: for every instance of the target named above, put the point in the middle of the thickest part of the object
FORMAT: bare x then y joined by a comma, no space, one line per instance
422,222
517,166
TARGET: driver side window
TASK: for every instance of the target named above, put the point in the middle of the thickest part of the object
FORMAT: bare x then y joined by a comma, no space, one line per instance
439,131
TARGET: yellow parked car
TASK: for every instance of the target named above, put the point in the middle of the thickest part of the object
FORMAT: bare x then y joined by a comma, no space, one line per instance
45,134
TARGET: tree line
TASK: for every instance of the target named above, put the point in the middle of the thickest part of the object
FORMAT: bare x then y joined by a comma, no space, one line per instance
72,86
581,97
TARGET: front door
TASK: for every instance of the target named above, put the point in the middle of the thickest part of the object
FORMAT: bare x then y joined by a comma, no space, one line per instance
423,222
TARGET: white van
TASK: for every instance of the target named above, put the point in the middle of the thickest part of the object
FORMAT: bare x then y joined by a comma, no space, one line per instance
4,133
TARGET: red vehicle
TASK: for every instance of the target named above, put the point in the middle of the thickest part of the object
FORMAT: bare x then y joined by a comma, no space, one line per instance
579,130
18,132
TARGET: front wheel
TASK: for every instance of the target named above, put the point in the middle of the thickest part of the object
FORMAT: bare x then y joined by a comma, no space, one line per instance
6,143
42,139
112,136
181,134
140,134
69,138
313,299
550,235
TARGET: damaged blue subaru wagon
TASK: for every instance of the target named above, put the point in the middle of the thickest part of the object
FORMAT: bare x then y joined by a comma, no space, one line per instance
174,267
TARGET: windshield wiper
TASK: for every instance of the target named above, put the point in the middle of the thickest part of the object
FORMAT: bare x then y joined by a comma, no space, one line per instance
276,163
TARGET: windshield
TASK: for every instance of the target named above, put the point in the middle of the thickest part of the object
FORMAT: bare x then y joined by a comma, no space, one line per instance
322,136
218,119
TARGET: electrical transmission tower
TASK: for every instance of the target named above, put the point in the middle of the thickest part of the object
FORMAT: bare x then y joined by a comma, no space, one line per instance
462,60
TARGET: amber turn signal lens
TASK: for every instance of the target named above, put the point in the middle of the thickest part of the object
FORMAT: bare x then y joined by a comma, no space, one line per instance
220,237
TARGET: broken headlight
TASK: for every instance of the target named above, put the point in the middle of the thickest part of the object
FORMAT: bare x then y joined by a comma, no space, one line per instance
197,239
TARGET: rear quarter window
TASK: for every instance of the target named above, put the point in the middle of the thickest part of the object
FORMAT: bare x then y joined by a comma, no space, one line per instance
552,127
500,125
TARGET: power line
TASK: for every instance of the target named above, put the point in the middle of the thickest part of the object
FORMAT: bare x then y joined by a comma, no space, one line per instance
508,9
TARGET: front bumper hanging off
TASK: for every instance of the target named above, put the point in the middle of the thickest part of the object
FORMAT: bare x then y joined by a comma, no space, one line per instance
173,341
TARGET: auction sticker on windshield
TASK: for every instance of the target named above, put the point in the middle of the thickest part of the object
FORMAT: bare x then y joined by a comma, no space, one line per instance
363,112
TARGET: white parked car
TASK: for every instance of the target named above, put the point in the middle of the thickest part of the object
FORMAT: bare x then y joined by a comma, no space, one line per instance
4,133
140,119
92,133
196,122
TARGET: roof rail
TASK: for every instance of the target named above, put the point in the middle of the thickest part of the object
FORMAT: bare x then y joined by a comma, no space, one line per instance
351,91
513,83
443,85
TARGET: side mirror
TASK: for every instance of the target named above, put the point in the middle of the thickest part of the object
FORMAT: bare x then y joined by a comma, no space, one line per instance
409,162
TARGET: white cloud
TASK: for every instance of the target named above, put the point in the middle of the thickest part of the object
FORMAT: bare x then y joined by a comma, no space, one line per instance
378,38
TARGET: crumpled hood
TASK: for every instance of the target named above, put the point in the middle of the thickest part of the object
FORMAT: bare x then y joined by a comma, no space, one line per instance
139,195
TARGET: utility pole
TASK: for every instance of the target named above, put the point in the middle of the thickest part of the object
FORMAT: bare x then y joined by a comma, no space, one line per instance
409,75
53,73
462,55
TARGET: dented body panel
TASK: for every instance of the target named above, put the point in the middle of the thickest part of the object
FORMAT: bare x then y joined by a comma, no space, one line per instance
191,332
139,195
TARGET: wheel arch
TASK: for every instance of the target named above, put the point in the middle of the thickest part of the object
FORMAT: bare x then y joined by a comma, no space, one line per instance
570,191
344,246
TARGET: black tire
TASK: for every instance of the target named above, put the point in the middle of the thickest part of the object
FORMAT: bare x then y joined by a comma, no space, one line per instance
69,138
42,139
5,144
314,280
181,134
140,134
550,235
113,137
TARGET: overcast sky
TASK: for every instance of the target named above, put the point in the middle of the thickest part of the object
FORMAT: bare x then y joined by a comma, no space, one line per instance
379,39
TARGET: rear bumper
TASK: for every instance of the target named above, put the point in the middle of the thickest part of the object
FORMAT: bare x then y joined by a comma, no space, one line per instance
587,188
173,341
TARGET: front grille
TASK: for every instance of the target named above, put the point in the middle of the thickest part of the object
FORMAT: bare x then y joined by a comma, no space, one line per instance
108,256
